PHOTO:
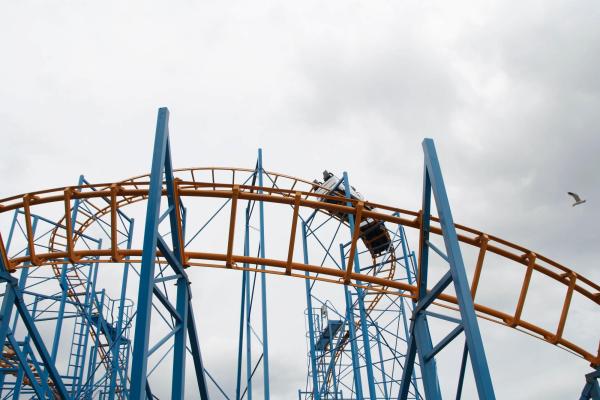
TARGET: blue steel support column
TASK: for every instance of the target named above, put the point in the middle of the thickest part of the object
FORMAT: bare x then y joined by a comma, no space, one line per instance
119,330
461,374
409,276
161,162
245,310
248,308
361,305
183,295
263,281
238,383
311,329
591,390
196,354
179,350
479,364
420,342
381,363
192,332
352,334
144,303
6,305
248,339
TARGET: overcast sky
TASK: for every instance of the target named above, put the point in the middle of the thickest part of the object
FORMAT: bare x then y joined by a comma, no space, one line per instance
510,91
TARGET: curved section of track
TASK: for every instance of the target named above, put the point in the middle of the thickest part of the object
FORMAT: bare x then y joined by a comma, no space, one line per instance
298,192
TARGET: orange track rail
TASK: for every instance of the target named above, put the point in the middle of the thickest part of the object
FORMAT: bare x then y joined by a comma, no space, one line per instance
134,190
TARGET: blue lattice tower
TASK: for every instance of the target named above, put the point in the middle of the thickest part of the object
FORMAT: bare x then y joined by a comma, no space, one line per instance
336,348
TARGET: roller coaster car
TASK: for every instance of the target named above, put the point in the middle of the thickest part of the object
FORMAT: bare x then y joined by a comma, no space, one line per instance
375,236
373,233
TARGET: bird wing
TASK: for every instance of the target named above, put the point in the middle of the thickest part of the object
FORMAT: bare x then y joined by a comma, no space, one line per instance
575,196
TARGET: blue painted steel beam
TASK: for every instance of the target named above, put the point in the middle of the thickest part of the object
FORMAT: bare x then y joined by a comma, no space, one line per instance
263,281
166,303
163,340
381,363
422,341
119,327
311,329
479,364
364,327
144,303
248,306
179,349
447,339
419,341
430,297
433,184
461,374
591,390
424,239
442,316
184,322
352,335
172,258
240,339
410,275
8,301
353,346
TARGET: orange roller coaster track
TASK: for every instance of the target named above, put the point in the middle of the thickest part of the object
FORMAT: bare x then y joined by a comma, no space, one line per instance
131,191
58,240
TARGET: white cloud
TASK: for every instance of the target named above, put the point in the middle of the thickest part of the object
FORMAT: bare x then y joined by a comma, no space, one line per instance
509,91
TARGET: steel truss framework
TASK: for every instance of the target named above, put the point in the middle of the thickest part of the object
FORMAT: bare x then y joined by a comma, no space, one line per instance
65,336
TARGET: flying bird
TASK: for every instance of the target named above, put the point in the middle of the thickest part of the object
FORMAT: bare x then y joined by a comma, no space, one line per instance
577,198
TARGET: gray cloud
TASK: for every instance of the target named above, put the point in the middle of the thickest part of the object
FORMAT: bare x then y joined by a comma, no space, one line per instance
510,92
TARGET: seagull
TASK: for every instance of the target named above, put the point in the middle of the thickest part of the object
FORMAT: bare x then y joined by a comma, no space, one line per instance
577,198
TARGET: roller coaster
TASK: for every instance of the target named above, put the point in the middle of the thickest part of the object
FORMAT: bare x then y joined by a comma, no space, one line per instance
90,310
